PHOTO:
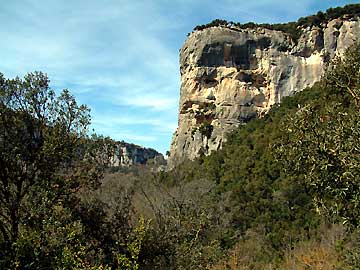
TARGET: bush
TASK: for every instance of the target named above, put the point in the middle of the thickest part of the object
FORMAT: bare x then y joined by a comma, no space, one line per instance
291,28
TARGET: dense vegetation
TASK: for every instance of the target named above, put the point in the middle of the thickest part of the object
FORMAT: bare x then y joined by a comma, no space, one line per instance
292,28
283,192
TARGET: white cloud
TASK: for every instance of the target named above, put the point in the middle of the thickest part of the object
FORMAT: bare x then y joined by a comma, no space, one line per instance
153,102
160,125
129,136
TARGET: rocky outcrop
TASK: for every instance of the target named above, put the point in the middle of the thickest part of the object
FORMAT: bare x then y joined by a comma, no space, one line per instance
229,76
128,154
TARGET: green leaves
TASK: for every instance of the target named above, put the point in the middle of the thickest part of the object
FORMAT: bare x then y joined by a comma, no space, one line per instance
46,157
345,76
322,141
134,245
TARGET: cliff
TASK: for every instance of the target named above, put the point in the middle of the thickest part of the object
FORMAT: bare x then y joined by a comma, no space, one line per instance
230,75
128,154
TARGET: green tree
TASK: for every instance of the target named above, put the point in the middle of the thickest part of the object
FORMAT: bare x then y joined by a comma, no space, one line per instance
45,157
322,141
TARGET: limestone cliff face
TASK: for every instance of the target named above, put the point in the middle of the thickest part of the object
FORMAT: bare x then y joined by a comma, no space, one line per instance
128,154
229,76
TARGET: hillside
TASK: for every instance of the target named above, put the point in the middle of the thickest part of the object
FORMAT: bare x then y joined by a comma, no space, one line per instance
275,175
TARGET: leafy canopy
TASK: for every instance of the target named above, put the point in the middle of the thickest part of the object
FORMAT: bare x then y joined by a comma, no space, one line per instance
46,157
322,141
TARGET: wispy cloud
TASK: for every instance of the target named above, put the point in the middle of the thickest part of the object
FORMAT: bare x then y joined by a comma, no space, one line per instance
130,136
149,101
157,123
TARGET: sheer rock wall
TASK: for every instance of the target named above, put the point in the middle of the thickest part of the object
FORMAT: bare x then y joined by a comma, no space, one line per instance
229,76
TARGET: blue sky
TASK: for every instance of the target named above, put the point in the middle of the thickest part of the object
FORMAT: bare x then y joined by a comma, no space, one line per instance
121,57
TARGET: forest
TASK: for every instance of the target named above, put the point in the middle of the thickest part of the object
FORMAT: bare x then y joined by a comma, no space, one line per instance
282,193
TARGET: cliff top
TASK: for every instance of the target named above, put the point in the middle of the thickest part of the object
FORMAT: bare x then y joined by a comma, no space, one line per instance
294,29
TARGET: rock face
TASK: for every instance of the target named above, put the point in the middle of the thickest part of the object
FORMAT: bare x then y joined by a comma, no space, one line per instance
130,154
229,76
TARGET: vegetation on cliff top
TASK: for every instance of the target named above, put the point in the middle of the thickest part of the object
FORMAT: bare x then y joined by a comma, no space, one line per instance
292,28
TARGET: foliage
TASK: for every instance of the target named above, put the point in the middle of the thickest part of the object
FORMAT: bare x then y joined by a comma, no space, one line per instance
292,28
273,170
322,142
345,76
262,196
134,247
205,129
40,136
186,226
349,251
46,161
216,22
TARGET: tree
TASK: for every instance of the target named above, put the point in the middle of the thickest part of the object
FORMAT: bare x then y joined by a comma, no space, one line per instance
321,142
344,77
45,155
